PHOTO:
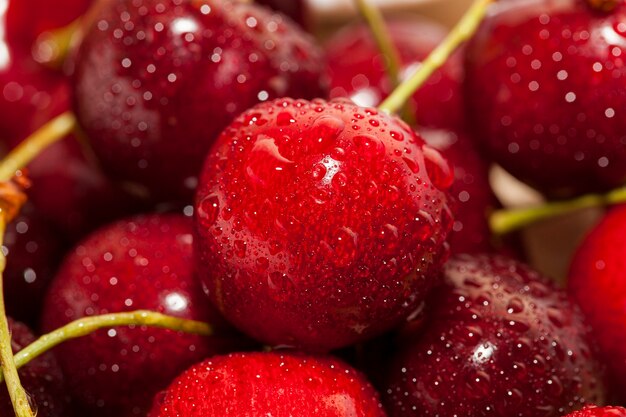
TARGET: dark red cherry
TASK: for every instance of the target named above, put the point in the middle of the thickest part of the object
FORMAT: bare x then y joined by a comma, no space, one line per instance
596,281
500,340
543,92
320,223
593,411
358,70
141,263
41,378
277,384
156,81
295,9
27,19
471,191
33,249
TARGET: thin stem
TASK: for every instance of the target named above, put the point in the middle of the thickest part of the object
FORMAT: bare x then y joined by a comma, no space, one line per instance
52,47
88,325
509,220
18,395
53,131
461,32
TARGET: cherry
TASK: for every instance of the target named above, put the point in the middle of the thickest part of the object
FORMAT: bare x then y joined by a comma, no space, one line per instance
543,91
156,81
33,248
141,263
42,378
471,190
277,384
295,9
499,340
320,223
593,411
596,282
27,19
358,70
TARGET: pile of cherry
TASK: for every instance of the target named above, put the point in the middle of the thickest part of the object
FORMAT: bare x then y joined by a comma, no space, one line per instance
228,169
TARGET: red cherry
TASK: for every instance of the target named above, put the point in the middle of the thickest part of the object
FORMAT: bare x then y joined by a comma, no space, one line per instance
593,411
500,340
358,70
142,263
544,82
596,282
277,384
41,378
472,193
295,9
156,81
320,223
33,249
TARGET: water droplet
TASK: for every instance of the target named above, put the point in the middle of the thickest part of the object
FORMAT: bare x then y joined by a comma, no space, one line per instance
369,147
325,130
284,119
515,306
439,170
396,136
265,162
344,246
209,209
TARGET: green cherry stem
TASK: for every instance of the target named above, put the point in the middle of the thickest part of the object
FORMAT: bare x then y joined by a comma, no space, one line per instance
19,398
53,131
459,34
85,326
509,220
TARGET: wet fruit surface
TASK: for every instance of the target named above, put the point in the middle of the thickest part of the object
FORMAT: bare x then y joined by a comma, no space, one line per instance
592,411
358,70
320,224
544,92
42,378
157,80
500,340
596,281
142,263
269,384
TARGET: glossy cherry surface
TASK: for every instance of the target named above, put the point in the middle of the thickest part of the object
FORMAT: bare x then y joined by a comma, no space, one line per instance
358,70
320,223
277,384
593,411
544,93
499,340
141,263
156,81
596,281
41,378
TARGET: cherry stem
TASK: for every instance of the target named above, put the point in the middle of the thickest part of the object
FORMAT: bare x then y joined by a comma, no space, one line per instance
52,47
53,131
460,33
87,325
19,397
510,220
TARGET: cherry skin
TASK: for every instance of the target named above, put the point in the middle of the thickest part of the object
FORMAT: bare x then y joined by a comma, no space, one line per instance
593,411
33,249
358,70
41,378
543,91
295,9
156,81
320,224
596,281
499,340
141,263
473,197
277,384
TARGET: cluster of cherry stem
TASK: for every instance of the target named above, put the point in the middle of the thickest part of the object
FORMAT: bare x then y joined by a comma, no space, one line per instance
502,222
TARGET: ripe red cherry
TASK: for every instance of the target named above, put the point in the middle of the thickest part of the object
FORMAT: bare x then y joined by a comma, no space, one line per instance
358,70
33,249
596,282
277,384
156,81
472,193
320,223
295,9
41,378
543,89
593,411
142,263
500,340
